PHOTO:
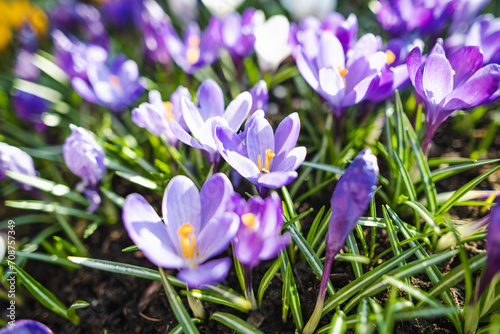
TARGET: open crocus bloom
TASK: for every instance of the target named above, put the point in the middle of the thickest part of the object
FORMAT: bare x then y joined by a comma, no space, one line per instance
259,236
343,81
448,84
196,228
155,115
202,119
266,159
115,87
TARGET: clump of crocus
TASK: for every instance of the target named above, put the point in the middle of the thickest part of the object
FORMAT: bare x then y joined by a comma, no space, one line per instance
266,159
195,228
15,160
155,115
350,200
115,86
492,249
202,119
24,326
259,236
447,84
85,158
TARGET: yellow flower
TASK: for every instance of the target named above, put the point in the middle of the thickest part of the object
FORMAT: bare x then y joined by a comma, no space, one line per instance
5,36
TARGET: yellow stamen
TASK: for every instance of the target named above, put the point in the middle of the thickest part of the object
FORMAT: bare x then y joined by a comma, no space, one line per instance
327,32
114,80
391,57
343,71
193,50
168,105
248,219
453,72
188,244
269,155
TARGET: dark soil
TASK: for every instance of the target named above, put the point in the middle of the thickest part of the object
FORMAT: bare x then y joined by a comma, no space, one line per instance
125,304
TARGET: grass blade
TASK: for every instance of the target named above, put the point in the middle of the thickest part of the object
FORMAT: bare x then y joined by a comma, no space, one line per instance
235,323
266,279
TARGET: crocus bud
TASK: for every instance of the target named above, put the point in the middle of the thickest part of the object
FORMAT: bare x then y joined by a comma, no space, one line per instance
260,97
15,160
492,248
85,158
351,198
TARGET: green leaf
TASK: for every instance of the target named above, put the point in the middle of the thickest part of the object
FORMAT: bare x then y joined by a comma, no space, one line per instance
292,293
309,254
48,186
175,302
266,279
463,190
235,323
43,295
426,216
315,223
178,329
124,269
241,304
297,218
443,173
324,167
52,207
54,259
140,180
130,248
338,323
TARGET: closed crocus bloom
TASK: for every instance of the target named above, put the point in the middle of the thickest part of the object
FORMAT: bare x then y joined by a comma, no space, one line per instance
202,119
15,160
260,97
350,200
23,326
195,228
492,248
266,159
271,42
85,158
259,236
155,115
343,80
447,84
197,49
115,87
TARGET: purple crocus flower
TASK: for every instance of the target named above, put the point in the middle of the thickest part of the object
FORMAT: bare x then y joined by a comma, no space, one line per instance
28,39
24,67
350,200
196,227
155,115
155,26
237,33
74,17
465,11
30,107
115,87
74,56
266,159
483,33
259,236
121,13
400,17
343,80
202,119
15,160
448,84
492,248
197,48
24,326
260,97
85,158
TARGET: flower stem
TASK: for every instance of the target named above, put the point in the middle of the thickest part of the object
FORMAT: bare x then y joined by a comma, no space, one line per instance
318,310
197,307
249,295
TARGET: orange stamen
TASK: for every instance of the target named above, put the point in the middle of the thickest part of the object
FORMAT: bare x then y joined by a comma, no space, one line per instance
168,105
188,244
248,219
114,80
391,57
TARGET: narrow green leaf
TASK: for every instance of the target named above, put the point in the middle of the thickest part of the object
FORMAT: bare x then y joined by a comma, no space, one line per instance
52,207
426,215
289,284
463,190
297,218
338,323
79,304
240,272
178,329
130,248
175,302
324,167
43,295
243,305
54,259
235,323
363,325
410,189
443,173
124,269
315,223
266,279
353,249
140,180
